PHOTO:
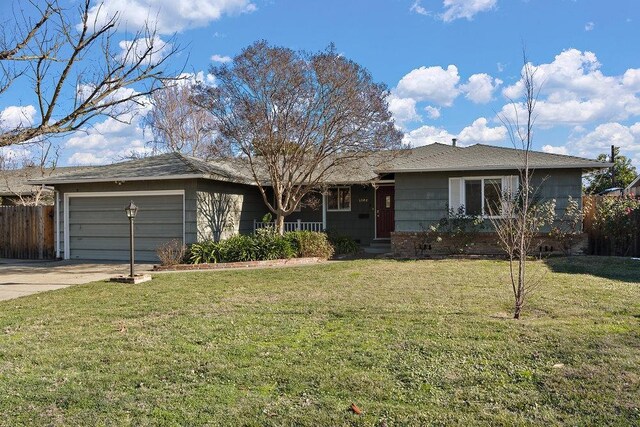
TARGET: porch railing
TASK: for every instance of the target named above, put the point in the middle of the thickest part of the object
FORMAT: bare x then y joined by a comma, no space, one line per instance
298,225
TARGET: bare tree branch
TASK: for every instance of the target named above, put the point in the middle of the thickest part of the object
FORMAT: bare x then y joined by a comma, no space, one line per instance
81,62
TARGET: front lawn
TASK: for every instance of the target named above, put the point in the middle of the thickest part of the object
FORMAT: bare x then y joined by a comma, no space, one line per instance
410,343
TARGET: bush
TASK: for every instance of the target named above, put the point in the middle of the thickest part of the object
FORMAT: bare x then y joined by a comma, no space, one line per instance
259,247
207,252
171,253
616,220
310,244
344,245
238,248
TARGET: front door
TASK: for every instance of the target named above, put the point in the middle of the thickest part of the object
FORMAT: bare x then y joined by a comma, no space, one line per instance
385,221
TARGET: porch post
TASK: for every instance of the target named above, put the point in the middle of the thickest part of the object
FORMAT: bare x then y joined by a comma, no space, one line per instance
324,212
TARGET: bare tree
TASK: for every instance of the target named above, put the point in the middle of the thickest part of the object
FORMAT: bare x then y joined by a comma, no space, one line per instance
179,124
520,215
297,118
76,69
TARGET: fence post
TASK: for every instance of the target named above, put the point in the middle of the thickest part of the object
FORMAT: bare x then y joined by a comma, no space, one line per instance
40,219
299,225
254,225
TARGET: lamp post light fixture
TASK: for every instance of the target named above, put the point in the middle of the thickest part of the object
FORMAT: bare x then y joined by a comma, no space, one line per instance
131,211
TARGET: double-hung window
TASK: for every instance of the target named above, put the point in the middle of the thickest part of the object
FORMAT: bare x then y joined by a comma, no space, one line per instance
339,199
481,196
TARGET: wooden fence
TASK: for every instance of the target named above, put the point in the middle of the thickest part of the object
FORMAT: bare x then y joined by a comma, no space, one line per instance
600,244
26,232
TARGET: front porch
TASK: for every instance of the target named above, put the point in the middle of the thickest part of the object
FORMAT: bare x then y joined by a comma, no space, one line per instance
363,212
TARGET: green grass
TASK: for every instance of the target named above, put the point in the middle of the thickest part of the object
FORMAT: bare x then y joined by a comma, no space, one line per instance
410,343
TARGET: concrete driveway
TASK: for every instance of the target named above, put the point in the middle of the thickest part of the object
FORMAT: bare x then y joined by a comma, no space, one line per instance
24,277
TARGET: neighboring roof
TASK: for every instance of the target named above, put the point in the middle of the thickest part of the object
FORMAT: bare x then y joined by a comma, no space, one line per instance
161,167
14,182
634,183
430,158
440,157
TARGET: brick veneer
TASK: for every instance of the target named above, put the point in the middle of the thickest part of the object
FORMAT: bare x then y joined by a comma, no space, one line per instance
416,245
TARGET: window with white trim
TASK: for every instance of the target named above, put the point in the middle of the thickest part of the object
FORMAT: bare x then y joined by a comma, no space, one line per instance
339,199
482,196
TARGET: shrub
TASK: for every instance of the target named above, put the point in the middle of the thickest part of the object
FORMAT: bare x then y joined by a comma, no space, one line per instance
273,246
344,245
310,244
171,253
204,252
264,245
616,220
567,228
238,248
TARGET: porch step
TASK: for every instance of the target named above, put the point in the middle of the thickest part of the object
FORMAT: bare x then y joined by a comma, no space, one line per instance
378,247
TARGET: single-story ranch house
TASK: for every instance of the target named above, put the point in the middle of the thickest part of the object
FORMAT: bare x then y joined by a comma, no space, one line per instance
190,199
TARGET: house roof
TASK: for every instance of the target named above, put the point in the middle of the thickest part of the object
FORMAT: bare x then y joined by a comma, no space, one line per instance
162,167
440,157
430,158
19,182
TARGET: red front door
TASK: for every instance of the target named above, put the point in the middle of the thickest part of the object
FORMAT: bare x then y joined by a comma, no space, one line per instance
385,222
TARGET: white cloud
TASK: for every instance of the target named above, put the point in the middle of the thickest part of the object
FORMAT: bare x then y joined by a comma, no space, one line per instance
458,9
419,9
433,84
221,58
111,140
478,131
589,26
480,87
600,139
555,150
432,112
16,116
169,16
155,49
631,79
575,91
196,78
403,110
426,135
603,136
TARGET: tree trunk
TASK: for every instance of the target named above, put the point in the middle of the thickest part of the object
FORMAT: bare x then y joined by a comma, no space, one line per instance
280,224
517,310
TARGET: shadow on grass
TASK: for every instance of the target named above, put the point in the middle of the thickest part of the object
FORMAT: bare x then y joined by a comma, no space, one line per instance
614,268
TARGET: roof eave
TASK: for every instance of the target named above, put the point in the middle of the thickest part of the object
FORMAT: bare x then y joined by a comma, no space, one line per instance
497,167
62,180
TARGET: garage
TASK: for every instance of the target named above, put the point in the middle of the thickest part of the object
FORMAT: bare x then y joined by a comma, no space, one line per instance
96,227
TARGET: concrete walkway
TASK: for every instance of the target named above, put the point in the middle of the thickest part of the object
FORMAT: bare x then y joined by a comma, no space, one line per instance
25,277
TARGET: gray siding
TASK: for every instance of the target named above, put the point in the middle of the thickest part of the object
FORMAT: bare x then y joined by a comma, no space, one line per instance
226,208
359,223
423,198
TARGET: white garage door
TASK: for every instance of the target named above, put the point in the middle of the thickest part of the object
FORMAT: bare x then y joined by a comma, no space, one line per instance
98,228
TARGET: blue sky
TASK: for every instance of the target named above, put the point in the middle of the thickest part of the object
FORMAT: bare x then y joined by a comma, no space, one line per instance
448,63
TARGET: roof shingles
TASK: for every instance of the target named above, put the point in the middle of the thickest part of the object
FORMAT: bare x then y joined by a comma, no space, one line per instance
430,158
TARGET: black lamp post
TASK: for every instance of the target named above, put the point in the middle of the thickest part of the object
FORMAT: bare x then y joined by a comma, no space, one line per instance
131,211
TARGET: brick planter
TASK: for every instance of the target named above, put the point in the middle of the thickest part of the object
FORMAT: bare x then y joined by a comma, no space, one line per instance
416,245
241,264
